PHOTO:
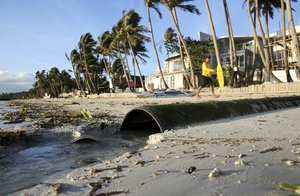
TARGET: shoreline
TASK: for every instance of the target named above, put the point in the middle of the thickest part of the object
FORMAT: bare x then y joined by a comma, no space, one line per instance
161,167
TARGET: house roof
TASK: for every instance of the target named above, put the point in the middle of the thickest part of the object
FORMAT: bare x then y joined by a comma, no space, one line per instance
239,39
173,57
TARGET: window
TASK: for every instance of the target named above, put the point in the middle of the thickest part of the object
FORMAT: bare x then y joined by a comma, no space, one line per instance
239,47
177,65
240,61
172,85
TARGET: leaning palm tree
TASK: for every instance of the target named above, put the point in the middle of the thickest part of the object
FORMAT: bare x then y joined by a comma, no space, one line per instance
263,36
285,59
75,61
134,36
116,45
171,45
104,41
86,49
171,6
153,4
54,77
213,32
230,36
295,45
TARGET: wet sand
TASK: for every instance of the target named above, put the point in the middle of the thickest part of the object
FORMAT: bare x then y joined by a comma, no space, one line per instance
254,154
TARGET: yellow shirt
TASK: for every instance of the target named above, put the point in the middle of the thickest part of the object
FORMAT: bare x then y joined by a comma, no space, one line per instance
206,69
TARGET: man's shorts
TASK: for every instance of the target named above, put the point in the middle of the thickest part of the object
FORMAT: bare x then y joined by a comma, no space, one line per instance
206,81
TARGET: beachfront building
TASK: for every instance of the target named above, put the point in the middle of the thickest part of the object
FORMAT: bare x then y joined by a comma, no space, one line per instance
247,58
173,71
248,62
278,65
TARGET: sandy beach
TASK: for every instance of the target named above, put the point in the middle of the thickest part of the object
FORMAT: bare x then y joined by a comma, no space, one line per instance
251,155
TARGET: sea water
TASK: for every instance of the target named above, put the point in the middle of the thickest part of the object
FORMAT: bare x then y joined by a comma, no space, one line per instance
29,163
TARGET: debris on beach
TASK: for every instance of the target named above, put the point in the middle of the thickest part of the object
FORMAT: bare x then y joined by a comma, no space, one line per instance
191,169
112,193
290,187
117,169
216,172
9,136
56,188
95,186
156,138
239,162
128,155
201,155
270,149
241,156
290,163
86,114
139,162
296,151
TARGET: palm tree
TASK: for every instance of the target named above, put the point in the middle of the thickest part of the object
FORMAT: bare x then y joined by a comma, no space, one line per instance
153,4
295,45
75,62
116,45
86,50
171,46
65,81
134,36
182,56
53,78
255,34
104,41
285,59
263,36
117,69
41,83
171,6
230,36
264,55
213,32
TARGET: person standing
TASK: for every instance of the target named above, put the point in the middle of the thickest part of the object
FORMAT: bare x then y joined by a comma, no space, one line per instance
206,78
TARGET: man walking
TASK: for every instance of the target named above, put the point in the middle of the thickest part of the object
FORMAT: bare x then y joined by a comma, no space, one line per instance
206,78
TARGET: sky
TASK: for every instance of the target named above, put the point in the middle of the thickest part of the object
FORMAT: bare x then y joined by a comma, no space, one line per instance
36,34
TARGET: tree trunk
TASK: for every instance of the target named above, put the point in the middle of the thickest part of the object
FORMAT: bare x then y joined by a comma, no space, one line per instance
267,58
76,77
285,58
108,70
263,36
137,64
268,41
134,74
89,79
254,45
123,66
87,84
213,32
231,36
155,49
127,66
184,46
295,45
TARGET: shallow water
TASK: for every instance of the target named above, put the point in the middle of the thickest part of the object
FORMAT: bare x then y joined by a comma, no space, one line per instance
30,163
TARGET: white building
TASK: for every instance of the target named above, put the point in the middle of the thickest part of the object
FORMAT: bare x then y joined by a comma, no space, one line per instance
173,74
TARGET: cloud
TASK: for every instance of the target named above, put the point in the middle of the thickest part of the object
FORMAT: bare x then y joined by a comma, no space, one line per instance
15,82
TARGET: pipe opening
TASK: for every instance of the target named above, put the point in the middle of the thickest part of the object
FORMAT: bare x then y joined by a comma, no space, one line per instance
140,120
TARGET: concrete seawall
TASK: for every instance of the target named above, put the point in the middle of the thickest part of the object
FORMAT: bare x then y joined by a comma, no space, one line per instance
265,88
158,118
